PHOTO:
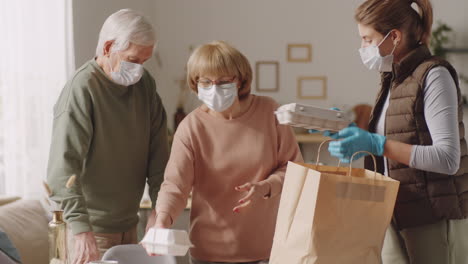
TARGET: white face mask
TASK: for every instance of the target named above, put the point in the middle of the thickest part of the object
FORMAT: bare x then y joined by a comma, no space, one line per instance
128,74
218,97
372,59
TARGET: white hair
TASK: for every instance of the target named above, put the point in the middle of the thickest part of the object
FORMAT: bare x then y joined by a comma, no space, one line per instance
124,27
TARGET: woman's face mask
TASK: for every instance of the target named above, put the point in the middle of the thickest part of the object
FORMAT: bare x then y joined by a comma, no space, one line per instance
372,59
218,97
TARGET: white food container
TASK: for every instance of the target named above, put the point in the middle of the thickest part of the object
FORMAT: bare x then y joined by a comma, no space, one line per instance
167,242
311,117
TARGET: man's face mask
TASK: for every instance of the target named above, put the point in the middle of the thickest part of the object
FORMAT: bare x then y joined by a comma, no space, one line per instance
128,74
372,59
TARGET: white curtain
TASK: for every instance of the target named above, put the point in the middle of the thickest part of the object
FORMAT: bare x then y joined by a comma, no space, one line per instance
36,44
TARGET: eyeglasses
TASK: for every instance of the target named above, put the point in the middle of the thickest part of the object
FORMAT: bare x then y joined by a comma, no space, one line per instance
207,83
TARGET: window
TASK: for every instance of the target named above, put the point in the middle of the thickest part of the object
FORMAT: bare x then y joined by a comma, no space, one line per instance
2,172
37,35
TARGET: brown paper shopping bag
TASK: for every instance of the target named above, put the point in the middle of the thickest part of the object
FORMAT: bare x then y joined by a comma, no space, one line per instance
332,215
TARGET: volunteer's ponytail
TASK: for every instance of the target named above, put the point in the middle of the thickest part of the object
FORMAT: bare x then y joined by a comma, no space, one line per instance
426,19
412,17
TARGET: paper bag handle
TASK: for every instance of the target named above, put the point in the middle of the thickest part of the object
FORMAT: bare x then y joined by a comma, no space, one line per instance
362,151
320,149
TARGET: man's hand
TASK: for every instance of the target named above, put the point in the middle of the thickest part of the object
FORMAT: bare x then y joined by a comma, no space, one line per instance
86,249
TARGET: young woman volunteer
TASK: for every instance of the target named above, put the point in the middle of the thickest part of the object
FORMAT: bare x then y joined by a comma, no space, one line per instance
416,128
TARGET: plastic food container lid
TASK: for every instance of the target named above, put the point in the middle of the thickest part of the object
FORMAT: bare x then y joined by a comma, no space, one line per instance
167,242
311,117
104,262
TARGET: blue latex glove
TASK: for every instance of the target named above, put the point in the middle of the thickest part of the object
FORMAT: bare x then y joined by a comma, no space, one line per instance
325,133
353,140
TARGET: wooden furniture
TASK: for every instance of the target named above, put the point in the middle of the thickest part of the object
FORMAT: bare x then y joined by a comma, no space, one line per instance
310,138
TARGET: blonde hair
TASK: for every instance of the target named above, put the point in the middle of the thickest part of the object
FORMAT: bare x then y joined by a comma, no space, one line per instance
413,17
219,58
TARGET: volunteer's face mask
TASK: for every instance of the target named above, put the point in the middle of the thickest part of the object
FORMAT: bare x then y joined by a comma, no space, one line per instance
128,74
218,97
372,59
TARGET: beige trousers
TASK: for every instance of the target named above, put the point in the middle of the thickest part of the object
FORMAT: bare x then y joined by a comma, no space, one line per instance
106,240
445,242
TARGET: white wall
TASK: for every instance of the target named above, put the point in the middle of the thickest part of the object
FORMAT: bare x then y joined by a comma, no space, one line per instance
88,17
453,13
261,29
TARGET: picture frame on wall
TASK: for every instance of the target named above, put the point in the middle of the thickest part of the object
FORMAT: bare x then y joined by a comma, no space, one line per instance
299,52
267,76
312,87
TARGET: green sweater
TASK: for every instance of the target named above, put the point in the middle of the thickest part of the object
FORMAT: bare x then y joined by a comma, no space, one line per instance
112,138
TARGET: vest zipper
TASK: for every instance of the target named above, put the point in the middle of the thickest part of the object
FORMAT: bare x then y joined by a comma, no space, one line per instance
394,219
385,116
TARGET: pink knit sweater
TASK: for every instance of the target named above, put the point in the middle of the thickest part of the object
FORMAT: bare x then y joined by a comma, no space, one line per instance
210,156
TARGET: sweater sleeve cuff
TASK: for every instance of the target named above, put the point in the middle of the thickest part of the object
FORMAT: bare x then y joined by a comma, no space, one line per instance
167,210
276,184
78,227
413,159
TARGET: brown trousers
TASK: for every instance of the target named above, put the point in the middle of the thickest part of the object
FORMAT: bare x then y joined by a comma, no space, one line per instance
106,240
194,261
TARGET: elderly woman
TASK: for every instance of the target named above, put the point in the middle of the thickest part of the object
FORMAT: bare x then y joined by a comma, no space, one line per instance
232,154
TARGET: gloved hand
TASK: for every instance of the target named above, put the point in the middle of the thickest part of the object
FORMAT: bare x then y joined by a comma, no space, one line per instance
353,140
325,133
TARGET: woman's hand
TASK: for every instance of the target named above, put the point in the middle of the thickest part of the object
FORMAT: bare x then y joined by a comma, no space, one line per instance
151,220
255,191
354,139
160,220
163,220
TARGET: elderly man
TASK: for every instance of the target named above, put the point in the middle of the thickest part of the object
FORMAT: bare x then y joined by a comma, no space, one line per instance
110,131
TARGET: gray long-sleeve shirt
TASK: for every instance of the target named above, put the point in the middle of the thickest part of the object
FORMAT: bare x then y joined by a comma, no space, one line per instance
112,138
441,113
